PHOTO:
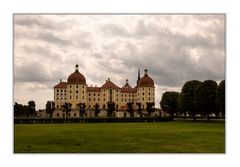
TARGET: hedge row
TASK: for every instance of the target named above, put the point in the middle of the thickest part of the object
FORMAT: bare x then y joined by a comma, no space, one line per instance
88,120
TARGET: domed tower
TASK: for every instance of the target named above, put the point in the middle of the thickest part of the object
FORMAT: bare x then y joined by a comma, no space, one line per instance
145,90
76,88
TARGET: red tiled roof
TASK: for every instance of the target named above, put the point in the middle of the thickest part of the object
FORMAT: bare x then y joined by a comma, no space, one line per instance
109,84
128,90
76,78
62,85
93,89
146,81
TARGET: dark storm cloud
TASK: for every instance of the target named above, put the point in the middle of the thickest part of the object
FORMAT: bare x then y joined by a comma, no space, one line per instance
31,73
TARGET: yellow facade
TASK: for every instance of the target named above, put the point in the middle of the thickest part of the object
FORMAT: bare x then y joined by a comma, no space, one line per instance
78,92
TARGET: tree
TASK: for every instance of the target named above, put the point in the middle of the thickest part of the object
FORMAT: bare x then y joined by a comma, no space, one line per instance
96,109
139,109
206,97
50,107
82,109
188,97
111,108
170,102
221,98
66,108
130,109
31,108
180,108
150,108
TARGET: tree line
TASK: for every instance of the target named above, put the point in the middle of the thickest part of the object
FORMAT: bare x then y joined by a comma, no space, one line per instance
196,98
30,111
25,110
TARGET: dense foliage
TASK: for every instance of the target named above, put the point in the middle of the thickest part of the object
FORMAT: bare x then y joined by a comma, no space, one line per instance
196,98
50,107
25,110
170,102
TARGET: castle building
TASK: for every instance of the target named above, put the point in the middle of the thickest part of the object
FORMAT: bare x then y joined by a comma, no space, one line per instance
76,91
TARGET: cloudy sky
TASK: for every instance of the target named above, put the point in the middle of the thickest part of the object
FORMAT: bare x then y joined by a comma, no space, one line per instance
174,49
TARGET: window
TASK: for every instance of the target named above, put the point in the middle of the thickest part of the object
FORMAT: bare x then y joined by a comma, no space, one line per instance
57,114
57,90
98,94
76,91
129,95
70,91
57,106
61,94
89,94
117,90
70,86
57,98
93,99
83,97
70,97
75,114
149,94
65,90
76,86
143,98
69,114
57,94
83,92
143,93
83,87
61,90
93,94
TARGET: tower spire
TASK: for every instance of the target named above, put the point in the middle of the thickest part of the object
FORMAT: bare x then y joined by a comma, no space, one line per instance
76,67
138,76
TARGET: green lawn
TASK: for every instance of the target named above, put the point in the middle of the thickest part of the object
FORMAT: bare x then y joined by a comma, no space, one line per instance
161,137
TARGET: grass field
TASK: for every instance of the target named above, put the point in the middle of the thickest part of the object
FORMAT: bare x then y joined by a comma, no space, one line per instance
161,137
